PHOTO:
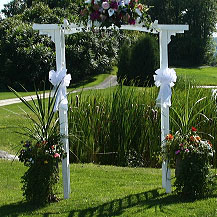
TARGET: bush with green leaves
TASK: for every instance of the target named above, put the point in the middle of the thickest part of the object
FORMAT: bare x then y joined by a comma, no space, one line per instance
194,47
138,63
192,156
26,57
90,53
42,152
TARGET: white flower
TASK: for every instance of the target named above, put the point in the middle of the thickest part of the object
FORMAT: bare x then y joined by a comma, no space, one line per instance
87,2
111,12
126,2
122,3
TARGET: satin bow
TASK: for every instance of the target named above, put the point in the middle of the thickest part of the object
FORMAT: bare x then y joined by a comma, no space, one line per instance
60,80
165,79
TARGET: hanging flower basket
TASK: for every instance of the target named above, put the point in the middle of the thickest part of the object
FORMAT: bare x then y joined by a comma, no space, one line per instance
191,156
105,13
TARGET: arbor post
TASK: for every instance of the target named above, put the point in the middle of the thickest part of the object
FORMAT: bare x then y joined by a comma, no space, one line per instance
165,127
63,114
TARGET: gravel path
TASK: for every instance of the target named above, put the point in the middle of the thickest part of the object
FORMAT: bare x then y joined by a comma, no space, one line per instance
108,82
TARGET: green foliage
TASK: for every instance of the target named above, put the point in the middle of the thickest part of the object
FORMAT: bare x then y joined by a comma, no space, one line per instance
91,53
195,46
118,125
191,112
26,58
192,156
139,62
42,162
103,191
42,155
113,127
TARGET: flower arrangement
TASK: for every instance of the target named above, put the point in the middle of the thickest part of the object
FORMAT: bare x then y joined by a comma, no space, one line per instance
41,153
191,155
117,12
44,150
42,159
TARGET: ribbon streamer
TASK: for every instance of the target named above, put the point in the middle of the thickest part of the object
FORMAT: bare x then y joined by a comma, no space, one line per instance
60,80
165,79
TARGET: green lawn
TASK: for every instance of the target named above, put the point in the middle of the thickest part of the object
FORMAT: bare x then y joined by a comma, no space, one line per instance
12,119
201,76
90,82
102,191
95,190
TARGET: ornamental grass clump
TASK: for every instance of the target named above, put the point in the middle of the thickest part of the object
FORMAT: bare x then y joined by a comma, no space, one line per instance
44,150
192,157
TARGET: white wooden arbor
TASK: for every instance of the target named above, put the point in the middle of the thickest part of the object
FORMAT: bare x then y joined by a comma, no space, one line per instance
57,33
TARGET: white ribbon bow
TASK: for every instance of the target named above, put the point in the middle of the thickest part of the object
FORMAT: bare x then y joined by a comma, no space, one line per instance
60,80
165,78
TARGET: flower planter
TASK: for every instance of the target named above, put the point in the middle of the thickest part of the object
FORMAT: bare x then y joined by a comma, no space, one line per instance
191,156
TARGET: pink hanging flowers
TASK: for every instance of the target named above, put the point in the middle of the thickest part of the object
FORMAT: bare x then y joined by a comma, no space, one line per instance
108,12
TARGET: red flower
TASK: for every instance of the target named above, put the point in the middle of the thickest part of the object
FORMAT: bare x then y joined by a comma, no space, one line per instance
169,137
193,129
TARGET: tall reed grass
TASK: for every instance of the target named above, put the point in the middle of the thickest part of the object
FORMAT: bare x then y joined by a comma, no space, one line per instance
121,125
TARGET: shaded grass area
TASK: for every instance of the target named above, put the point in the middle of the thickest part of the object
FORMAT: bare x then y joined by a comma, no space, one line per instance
102,191
88,82
201,76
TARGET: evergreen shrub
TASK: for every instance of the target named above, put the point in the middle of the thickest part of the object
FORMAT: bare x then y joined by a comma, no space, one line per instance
138,62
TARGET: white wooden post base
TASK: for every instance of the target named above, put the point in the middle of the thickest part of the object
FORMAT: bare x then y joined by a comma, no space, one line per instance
65,162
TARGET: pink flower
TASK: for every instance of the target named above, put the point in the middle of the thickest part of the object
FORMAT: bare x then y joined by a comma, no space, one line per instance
56,155
177,152
186,150
105,5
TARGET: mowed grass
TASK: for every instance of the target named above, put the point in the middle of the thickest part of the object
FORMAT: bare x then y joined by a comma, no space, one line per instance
89,82
102,191
12,120
201,76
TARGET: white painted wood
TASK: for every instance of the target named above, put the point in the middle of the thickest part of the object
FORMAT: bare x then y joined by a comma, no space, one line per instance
163,40
166,178
63,115
57,32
